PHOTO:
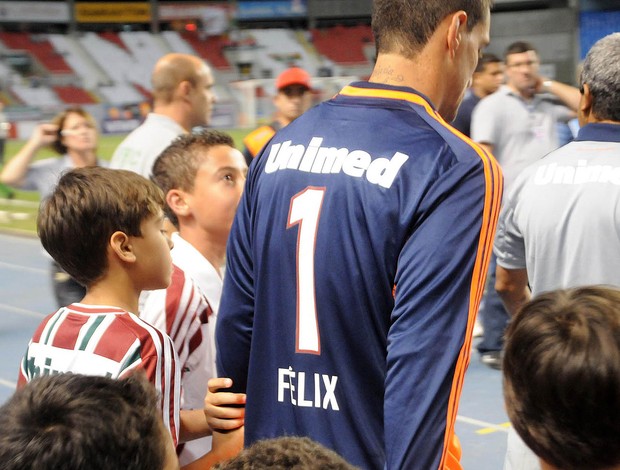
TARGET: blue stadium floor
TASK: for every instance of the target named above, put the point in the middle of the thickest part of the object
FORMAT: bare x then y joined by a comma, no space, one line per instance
26,296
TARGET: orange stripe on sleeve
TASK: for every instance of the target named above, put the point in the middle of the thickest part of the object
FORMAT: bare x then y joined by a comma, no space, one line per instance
450,459
493,193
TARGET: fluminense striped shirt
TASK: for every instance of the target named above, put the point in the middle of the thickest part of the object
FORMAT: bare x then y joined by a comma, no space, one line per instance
183,312
105,341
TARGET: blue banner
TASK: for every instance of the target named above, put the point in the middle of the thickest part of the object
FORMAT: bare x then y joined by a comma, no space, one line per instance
594,25
254,10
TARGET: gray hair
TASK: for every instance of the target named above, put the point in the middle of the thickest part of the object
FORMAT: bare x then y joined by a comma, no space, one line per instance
601,72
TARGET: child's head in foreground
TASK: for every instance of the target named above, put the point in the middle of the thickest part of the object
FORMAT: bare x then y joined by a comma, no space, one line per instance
286,453
562,378
95,213
78,422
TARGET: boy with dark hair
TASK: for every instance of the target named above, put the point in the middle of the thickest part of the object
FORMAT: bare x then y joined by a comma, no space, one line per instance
562,377
202,176
104,227
79,422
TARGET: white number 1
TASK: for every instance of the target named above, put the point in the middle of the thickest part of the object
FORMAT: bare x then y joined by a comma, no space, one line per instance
305,211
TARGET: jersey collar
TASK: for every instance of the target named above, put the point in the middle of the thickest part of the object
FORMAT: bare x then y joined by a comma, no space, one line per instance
380,90
599,132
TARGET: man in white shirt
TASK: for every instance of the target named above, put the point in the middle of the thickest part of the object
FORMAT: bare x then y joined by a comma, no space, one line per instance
183,98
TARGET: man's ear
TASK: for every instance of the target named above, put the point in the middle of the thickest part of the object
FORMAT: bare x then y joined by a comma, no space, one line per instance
585,102
184,89
456,28
120,244
177,202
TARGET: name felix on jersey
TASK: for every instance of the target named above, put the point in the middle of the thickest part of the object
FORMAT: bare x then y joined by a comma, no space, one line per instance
318,159
314,391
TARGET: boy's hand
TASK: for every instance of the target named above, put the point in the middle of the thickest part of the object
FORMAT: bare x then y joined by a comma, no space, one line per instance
218,411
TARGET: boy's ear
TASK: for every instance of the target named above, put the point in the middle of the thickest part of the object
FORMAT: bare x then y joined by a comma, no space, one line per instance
176,201
120,244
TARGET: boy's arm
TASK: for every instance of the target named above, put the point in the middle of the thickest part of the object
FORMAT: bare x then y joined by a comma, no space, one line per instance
193,425
226,422
225,445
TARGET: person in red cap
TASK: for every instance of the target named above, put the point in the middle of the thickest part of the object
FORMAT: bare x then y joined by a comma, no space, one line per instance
292,100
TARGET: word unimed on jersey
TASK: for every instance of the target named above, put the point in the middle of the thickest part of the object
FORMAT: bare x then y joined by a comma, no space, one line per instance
317,159
583,173
301,389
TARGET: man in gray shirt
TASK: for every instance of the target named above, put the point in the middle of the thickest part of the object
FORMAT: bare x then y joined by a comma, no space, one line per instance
518,125
559,224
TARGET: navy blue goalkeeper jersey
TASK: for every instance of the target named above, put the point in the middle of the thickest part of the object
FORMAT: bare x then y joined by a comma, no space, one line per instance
355,267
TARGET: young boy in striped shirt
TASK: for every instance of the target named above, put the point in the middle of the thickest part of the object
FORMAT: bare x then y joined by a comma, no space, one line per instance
104,227
202,176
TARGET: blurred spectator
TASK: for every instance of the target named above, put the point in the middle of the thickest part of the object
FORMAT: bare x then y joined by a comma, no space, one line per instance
518,124
559,224
487,78
183,99
293,98
73,135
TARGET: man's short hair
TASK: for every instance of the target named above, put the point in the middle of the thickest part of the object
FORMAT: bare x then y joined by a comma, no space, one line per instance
519,47
601,71
286,452
487,58
170,71
177,166
88,205
405,26
562,377
78,422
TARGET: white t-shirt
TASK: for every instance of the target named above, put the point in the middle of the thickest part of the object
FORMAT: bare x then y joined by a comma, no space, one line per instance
141,147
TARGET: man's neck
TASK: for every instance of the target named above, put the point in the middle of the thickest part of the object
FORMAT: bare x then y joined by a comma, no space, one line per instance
173,111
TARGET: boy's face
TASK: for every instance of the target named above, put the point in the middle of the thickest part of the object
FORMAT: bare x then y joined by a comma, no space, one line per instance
217,189
152,251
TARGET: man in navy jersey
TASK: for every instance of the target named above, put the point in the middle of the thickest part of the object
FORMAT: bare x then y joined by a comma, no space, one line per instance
359,252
